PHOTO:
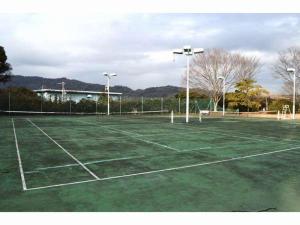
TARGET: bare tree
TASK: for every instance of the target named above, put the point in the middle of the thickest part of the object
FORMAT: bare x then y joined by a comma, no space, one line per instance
246,67
286,59
206,68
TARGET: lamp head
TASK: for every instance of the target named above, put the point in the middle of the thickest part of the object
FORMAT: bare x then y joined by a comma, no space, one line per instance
187,48
177,51
198,50
291,70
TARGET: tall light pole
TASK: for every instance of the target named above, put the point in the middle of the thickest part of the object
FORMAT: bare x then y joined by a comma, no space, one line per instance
292,70
109,76
224,90
188,51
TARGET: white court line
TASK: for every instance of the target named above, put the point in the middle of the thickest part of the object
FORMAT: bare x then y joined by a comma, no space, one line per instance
111,160
228,121
37,170
19,158
223,134
140,139
147,141
172,168
87,163
195,149
257,135
209,147
60,185
158,144
220,132
73,157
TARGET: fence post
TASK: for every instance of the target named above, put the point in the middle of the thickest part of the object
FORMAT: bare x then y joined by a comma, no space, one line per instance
70,104
142,104
9,101
120,104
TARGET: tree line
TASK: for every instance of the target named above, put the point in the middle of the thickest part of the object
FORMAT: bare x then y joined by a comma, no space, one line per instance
239,72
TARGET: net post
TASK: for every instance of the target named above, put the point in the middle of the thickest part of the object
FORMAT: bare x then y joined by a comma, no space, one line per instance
278,115
172,116
200,116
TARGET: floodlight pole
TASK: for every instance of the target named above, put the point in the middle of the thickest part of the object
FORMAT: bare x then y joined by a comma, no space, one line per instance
292,70
187,106
109,76
188,51
224,83
294,96
108,79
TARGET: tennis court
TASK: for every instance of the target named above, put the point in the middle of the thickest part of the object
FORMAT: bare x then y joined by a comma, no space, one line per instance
145,163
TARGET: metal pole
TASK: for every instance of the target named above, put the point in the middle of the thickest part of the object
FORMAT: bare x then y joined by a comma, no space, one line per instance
120,104
224,97
142,104
96,106
108,96
9,101
70,105
294,95
179,104
161,104
41,102
187,89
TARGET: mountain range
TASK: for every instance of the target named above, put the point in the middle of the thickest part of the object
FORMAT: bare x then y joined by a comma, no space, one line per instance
36,82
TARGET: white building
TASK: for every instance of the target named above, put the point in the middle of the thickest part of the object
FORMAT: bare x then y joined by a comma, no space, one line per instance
74,95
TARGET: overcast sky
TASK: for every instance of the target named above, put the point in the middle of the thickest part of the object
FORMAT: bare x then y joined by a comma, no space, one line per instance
138,46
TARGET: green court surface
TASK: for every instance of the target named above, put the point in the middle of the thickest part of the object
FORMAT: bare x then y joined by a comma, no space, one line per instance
89,163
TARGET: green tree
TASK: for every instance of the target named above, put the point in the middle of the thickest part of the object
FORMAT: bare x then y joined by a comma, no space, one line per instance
277,104
5,68
20,99
246,96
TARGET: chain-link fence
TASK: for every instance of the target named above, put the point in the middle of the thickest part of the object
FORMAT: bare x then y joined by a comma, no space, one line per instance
25,100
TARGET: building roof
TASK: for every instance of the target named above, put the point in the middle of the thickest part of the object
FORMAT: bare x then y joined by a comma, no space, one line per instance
76,91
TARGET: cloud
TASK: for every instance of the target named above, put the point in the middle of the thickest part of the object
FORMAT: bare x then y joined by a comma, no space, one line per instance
138,46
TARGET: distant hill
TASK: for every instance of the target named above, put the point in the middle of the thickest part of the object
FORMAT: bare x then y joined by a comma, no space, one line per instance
35,82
